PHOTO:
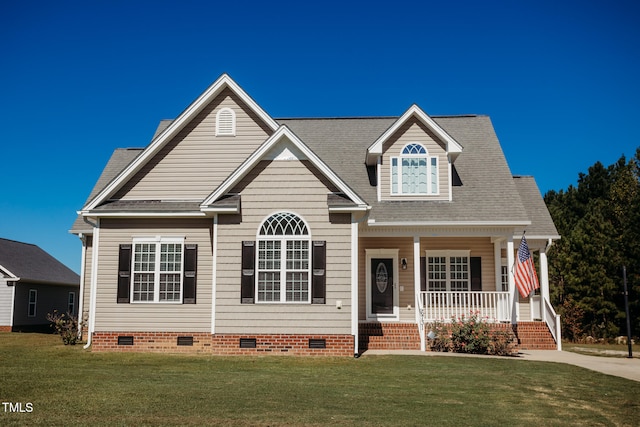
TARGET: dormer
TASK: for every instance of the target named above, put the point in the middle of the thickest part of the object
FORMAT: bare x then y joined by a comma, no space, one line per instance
413,159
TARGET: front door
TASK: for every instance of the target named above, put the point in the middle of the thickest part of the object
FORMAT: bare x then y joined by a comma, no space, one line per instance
381,286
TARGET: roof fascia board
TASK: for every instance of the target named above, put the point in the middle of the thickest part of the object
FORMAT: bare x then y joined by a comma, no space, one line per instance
130,214
273,140
375,149
176,126
10,275
373,223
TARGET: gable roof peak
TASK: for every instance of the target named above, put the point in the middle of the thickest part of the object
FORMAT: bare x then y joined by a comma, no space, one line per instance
163,137
375,149
283,133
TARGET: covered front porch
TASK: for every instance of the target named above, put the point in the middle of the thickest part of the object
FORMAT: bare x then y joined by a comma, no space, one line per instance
417,280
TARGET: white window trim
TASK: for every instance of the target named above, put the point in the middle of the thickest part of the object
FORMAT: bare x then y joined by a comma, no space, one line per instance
448,254
157,240
33,303
283,239
428,158
222,131
71,303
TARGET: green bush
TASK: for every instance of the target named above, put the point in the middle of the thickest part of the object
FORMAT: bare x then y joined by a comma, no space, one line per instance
66,325
471,335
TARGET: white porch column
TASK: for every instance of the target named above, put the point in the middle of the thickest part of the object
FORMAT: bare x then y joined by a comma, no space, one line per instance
512,284
497,263
544,281
354,283
416,274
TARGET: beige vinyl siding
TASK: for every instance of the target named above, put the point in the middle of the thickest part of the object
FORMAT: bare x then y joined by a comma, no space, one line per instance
196,161
414,131
148,317
478,247
297,187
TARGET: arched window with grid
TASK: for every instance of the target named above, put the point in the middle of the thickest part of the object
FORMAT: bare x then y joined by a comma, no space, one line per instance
284,262
414,172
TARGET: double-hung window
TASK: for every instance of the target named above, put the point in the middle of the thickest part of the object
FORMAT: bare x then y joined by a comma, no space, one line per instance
157,267
448,271
414,172
33,302
283,259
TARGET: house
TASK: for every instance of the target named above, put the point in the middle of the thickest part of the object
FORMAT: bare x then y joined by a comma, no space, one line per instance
33,284
236,233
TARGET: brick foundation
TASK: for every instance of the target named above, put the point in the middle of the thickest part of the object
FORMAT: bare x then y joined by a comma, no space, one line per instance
5,328
224,344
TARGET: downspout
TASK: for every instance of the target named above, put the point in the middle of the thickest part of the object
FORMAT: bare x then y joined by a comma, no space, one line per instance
94,284
83,257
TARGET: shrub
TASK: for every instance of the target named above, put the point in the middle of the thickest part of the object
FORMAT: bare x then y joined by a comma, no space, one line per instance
470,335
66,325
442,337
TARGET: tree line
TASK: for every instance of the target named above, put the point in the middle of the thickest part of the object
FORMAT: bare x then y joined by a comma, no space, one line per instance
599,221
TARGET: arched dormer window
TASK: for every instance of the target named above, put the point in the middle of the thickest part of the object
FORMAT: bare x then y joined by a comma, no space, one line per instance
413,172
226,122
284,263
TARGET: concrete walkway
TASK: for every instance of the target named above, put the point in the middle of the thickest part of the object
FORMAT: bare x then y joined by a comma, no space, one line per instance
617,366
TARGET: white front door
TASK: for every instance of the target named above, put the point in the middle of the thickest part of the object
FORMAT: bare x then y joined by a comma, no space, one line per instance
382,284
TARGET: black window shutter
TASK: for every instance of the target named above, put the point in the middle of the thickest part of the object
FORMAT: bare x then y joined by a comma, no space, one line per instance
476,273
190,270
423,273
247,280
319,269
124,273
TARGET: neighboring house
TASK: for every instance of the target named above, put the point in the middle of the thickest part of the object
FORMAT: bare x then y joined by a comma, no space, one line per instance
33,284
233,232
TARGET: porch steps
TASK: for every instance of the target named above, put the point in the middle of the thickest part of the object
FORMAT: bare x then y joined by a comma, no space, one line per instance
534,336
388,336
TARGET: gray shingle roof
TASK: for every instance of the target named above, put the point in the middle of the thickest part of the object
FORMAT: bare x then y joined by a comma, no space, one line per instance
120,158
32,264
541,222
486,193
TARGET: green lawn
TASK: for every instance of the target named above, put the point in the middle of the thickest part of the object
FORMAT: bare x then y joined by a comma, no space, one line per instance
71,386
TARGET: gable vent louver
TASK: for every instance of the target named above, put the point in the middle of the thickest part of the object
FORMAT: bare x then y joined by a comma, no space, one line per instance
226,122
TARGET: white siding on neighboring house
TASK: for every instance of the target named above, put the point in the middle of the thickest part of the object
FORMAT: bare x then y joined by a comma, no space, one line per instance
6,302
276,186
196,161
145,317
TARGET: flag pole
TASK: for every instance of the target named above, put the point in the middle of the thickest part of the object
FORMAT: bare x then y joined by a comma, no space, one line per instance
626,309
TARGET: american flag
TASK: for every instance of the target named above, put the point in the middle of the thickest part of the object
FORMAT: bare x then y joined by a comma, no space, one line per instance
525,272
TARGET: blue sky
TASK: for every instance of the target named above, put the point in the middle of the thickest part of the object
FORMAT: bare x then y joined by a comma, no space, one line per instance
560,80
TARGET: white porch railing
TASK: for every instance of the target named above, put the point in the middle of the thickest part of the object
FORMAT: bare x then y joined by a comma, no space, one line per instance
553,322
443,306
